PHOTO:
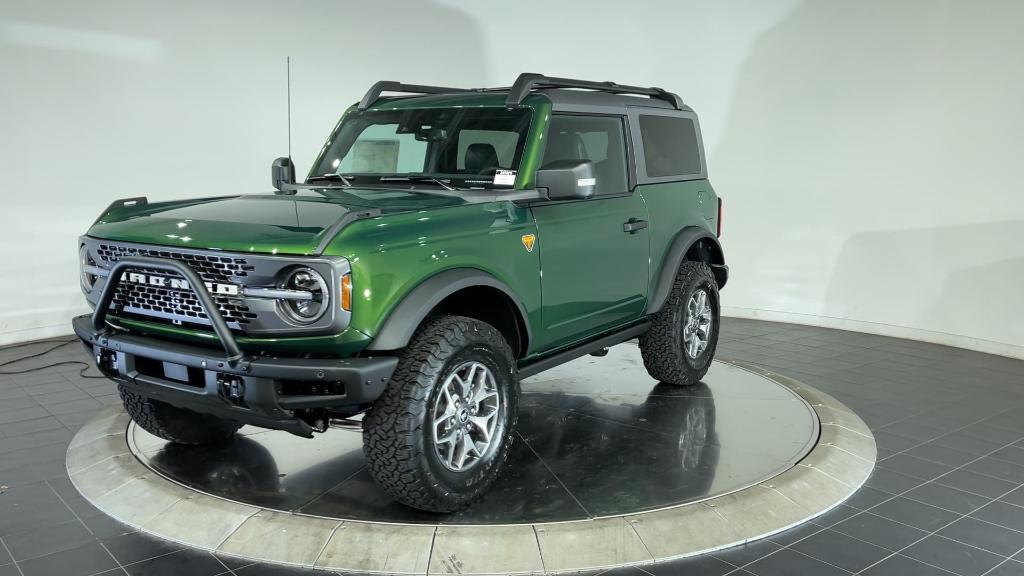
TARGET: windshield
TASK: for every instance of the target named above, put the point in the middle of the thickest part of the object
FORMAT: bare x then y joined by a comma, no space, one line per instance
466,147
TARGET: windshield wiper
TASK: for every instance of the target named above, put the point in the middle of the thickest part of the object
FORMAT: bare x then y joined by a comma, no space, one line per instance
333,178
417,178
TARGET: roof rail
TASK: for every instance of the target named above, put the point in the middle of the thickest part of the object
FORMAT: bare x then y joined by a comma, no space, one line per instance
528,81
375,91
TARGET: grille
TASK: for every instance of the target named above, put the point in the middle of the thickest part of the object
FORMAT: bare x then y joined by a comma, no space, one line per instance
211,267
180,305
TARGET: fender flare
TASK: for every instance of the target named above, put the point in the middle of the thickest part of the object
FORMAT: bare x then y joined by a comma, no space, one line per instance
674,256
407,316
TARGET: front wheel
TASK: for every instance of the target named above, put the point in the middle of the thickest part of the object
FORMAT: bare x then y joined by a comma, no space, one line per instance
440,434
684,334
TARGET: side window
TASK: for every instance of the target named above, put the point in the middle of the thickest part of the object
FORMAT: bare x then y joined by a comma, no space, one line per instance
599,139
670,146
380,148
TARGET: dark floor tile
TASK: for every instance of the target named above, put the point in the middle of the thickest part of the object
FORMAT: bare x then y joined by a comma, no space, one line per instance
841,550
942,454
1001,513
30,413
68,395
1008,568
903,566
867,497
976,483
880,531
998,469
232,562
914,467
31,514
787,562
835,516
135,547
696,566
892,482
915,431
1015,497
915,514
193,563
893,442
1001,436
60,436
747,553
104,527
9,570
795,534
991,537
75,420
86,559
1010,454
47,540
29,426
948,498
954,556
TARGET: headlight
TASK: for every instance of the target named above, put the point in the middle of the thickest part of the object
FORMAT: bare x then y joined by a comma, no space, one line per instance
305,311
85,263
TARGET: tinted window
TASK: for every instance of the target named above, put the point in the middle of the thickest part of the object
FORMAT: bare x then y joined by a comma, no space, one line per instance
599,139
670,146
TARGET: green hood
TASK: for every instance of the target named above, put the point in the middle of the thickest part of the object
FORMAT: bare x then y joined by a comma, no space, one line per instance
266,223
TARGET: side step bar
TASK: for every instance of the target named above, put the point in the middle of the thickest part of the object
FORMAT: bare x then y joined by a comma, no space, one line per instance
564,356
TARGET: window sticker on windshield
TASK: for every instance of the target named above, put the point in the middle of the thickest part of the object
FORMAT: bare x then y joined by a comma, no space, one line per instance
505,177
375,156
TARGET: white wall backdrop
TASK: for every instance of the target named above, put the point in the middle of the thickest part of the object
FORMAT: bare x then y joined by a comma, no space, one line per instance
867,151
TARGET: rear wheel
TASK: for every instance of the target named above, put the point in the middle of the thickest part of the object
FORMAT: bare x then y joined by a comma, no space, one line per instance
681,343
176,424
441,432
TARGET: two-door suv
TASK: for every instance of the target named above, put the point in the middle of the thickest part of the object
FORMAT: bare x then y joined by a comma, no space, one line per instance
446,244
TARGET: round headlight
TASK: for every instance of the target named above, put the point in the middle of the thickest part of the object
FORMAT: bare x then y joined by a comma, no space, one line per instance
86,279
309,310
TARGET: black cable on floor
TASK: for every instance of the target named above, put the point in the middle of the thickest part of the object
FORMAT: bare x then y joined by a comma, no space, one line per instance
81,373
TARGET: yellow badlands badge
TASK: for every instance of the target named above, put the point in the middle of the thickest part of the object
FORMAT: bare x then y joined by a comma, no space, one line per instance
528,241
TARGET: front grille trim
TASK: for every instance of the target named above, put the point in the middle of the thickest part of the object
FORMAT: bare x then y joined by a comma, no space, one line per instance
180,307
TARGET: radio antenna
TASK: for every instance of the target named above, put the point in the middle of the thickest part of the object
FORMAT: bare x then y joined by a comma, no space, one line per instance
288,72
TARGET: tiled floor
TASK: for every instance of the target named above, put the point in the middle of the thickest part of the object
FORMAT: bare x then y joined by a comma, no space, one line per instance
947,496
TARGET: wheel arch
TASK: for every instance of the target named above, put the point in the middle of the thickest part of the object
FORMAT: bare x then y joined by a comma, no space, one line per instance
462,291
691,243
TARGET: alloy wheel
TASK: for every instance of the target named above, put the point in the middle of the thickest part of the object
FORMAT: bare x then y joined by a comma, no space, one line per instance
465,415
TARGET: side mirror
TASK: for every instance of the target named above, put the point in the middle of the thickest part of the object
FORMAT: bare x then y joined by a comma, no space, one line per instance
282,172
567,179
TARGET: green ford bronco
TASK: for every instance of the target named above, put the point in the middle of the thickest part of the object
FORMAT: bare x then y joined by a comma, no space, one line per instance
446,244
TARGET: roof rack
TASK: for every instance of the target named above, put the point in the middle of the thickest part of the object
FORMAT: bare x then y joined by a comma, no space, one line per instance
378,88
528,81
520,89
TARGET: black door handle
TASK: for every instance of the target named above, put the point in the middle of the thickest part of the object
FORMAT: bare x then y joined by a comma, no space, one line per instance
632,226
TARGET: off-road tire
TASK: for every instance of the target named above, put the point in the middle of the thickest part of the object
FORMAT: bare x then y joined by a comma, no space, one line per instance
662,346
176,424
397,440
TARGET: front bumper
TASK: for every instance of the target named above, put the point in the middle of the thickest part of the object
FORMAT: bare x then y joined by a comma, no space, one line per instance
261,391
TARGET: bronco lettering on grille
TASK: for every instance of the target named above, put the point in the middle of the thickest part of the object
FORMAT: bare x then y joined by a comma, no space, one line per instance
215,288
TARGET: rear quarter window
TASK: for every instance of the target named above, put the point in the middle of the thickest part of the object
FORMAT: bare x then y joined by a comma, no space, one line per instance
670,146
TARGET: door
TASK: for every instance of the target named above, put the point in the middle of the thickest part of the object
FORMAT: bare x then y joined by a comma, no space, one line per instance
593,253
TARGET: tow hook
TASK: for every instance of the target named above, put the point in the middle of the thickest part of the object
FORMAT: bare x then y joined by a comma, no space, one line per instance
106,360
233,388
